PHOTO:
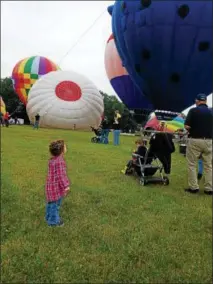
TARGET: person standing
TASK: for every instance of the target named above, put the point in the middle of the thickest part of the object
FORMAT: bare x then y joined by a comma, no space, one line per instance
16,120
116,128
162,126
37,119
105,130
198,123
6,119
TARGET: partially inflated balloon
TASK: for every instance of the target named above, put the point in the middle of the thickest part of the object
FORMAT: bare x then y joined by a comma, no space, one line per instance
121,81
2,104
172,125
166,47
27,71
65,99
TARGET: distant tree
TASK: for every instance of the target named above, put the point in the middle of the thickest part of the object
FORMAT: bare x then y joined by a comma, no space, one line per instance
13,105
8,94
111,103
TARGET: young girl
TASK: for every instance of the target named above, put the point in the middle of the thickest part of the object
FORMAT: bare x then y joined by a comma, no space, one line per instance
57,183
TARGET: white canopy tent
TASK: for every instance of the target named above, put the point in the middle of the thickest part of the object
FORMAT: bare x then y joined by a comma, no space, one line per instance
209,102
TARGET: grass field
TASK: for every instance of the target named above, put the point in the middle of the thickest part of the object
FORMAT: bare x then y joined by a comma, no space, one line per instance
116,231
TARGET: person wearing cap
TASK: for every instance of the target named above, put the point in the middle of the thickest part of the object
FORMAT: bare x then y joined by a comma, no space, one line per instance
198,123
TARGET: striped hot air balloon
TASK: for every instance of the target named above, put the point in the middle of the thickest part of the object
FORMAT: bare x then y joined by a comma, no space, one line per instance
27,71
172,125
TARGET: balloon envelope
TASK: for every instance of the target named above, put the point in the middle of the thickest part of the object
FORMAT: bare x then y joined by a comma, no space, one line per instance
171,125
27,71
166,47
121,81
65,99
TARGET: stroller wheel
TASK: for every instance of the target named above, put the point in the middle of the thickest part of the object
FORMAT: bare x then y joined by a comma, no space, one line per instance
143,182
165,181
94,140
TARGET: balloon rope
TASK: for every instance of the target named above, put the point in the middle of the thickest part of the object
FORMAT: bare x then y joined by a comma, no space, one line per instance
90,27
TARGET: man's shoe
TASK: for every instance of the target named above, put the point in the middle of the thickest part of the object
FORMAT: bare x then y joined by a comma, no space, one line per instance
191,190
208,192
199,176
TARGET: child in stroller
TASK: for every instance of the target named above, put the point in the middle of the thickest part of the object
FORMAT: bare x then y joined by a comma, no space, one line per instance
98,132
142,160
140,151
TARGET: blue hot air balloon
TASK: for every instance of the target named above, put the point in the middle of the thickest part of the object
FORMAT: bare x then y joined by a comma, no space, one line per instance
121,81
166,47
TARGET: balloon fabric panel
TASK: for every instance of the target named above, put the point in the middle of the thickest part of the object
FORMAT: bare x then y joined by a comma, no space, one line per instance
166,48
129,94
121,81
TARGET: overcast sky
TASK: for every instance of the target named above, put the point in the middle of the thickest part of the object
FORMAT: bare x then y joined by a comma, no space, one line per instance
50,29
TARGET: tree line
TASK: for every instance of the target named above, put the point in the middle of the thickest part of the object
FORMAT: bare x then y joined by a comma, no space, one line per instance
129,122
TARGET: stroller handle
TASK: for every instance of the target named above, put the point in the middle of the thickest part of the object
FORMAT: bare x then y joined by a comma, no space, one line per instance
137,156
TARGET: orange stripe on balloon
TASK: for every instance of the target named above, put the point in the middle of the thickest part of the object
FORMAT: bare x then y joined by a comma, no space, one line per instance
113,64
110,38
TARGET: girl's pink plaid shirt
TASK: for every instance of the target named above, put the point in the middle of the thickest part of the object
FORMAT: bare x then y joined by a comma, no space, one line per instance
57,180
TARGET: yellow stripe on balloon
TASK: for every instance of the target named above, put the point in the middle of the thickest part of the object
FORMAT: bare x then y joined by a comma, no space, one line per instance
27,86
23,93
26,76
22,65
32,81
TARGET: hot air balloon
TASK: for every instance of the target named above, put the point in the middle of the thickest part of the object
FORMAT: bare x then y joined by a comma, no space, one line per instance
27,71
2,104
121,81
172,125
65,99
166,47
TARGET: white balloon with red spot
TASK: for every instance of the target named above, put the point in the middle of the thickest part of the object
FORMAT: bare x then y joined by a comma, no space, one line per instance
65,99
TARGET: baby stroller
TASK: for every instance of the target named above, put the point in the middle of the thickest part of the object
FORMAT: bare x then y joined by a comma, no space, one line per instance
97,138
160,150
146,170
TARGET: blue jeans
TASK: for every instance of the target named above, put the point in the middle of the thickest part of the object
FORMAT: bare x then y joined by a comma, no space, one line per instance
116,137
200,166
104,136
52,212
36,124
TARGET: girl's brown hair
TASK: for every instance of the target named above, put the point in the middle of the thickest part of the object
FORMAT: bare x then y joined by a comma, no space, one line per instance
56,148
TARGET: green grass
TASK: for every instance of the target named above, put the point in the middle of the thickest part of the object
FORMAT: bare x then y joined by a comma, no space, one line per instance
115,230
